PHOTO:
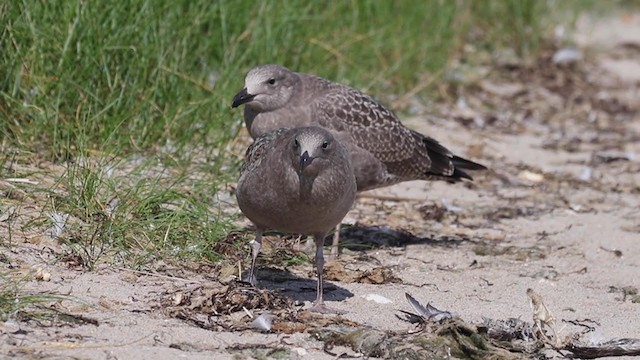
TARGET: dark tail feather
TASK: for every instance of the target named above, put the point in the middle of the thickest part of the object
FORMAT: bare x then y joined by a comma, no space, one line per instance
459,174
442,160
461,163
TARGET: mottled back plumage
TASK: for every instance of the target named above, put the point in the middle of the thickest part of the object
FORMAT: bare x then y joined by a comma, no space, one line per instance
257,150
383,151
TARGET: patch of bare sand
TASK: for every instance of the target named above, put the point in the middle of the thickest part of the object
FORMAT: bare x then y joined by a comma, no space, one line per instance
558,212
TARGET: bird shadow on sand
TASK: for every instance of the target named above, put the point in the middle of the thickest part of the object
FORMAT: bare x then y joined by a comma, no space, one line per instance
363,238
298,288
273,262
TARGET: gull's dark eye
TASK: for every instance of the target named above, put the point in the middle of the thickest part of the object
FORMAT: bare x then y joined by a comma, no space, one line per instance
325,145
271,81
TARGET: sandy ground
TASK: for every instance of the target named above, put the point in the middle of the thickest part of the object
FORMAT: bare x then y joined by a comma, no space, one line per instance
559,212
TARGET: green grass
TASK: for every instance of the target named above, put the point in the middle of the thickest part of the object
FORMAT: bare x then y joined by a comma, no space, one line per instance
132,76
144,87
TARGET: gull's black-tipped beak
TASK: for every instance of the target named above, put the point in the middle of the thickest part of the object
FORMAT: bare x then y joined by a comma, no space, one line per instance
242,97
305,160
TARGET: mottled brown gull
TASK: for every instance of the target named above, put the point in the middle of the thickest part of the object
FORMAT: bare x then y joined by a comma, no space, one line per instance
383,151
299,181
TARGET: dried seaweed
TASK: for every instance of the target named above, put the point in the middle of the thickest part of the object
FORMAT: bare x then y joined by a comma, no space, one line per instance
231,306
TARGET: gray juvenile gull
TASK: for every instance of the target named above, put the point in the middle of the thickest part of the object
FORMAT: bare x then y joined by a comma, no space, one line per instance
299,181
383,151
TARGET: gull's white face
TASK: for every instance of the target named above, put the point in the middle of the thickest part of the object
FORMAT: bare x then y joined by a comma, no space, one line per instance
267,87
311,148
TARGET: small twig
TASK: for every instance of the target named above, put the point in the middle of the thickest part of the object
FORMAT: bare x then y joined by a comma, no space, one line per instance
615,252
542,318
23,181
247,312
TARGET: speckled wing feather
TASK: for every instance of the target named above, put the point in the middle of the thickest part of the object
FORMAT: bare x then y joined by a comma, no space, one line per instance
257,150
373,127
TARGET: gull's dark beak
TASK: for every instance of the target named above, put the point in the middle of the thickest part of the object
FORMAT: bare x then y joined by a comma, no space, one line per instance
242,97
305,160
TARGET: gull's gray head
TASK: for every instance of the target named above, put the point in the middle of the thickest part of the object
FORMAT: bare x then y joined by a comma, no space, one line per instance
311,150
267,87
